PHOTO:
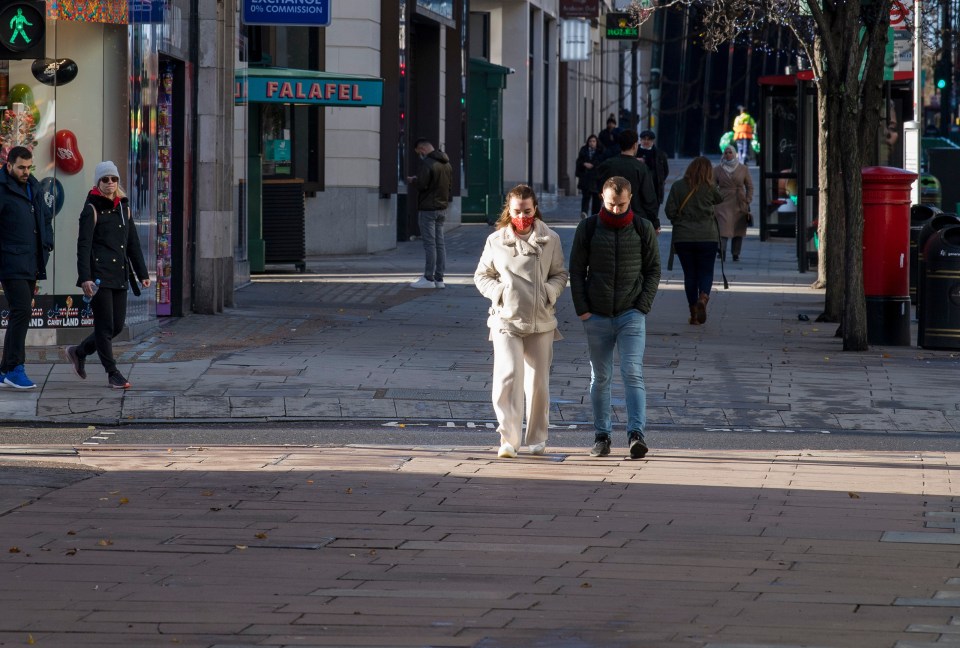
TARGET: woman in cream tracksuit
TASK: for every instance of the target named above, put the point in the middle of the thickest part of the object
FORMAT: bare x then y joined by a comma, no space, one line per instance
522,273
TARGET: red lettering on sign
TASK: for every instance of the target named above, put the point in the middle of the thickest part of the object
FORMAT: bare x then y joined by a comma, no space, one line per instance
344,94
286,91
272,88
356,93
300,94
331,89
315,92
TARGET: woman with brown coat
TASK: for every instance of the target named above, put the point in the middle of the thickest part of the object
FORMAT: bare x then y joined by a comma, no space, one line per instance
733,214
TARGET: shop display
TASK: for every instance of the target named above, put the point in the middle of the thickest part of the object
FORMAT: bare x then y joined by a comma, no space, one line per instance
67,152
53,195
54,72
164,189
17,128
23,94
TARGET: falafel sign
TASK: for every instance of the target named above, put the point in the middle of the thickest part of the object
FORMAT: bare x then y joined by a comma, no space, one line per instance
280,85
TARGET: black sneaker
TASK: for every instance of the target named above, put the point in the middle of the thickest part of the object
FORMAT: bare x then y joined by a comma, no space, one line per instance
601,448
638,449
117,381
77,361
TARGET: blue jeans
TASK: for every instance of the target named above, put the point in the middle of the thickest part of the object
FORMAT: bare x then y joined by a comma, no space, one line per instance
697,261
743,150
434,249
627,333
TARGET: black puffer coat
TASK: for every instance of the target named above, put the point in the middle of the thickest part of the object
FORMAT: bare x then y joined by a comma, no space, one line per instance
107,238
616,270
26,229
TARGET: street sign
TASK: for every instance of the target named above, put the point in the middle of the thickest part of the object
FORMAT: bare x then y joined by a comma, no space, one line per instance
309,13
22,28
620,27
899,14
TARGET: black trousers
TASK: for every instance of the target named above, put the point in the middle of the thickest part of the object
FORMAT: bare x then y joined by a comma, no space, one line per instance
19,294
109,314
590,203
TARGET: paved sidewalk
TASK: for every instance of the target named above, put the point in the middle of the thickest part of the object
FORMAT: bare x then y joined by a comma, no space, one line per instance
422,546
350,340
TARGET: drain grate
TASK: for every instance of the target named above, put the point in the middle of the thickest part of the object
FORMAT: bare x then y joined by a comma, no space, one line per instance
455,395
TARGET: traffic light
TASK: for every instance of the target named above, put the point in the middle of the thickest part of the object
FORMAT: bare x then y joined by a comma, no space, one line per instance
23,24
942,72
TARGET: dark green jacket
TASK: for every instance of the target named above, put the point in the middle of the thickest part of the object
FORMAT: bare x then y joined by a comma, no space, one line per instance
695,223
616,270
644,199
434,180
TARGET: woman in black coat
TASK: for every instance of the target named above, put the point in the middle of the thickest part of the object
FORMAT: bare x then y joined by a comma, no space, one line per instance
108,251
587,180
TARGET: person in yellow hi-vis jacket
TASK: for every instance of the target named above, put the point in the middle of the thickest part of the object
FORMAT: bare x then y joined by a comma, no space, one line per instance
743,129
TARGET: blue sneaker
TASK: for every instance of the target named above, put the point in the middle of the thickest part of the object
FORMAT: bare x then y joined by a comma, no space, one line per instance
3,377
17,377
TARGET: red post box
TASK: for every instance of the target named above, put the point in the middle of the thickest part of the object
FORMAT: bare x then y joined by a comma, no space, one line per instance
886,254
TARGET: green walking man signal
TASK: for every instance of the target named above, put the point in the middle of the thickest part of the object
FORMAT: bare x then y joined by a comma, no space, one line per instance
22,28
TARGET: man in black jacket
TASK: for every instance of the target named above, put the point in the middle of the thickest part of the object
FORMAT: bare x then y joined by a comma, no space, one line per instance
626,165
656,161
26,240
434,185
614,276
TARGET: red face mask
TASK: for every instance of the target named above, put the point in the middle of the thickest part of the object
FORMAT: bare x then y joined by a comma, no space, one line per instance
522,223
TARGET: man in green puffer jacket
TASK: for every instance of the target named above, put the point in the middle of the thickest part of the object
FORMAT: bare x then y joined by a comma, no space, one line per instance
614,276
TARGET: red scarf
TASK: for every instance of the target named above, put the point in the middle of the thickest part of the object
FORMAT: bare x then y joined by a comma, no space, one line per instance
615,221
96,192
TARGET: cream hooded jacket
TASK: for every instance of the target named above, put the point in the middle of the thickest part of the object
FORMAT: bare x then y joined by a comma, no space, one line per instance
522,279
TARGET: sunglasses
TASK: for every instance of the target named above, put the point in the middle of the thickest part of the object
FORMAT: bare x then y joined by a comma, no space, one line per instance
108,179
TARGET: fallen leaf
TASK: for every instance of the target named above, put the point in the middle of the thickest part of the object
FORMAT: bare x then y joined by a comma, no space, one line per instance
72,551
349,490
124,500
31,640
71,533
353,555
261,536
309,481
586,585
207,493
14,549
853,495
240,547
373,552
105,543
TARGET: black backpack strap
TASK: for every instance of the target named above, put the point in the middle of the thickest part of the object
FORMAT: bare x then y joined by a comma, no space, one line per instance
589,228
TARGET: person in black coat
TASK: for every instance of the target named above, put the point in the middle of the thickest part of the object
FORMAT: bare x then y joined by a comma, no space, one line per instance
26,240
656,161
108,251
587,162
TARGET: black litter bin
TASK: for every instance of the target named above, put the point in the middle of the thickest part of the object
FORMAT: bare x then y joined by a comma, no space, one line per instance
931,227
919,215
940,312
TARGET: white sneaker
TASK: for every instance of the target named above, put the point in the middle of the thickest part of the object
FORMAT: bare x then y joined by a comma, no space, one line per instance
506,451
422,282
539,448
439,284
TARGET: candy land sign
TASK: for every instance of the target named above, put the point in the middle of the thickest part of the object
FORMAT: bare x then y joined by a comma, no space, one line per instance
53,311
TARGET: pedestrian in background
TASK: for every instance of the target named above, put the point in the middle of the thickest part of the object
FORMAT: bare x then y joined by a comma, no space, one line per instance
26,240
643,196
608,138
587,162
614,275
743,129
690,208
733,214
656,161
108,253
434,186
522,273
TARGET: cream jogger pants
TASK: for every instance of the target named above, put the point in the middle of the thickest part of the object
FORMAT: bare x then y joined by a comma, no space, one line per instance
521,368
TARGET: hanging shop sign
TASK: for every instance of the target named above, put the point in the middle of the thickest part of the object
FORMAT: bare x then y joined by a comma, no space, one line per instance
579,9
620,27
309,13
146,11
306,87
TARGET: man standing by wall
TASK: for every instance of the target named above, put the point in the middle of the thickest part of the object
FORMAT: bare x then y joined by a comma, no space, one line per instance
433,183
25,245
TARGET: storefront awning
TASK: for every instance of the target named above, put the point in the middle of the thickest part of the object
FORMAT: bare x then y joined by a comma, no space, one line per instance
306,87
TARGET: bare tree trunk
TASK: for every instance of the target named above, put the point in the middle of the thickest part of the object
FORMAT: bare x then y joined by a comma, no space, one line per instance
830,258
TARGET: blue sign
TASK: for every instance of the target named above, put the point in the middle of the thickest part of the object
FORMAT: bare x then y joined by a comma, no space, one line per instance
306,89
311,13
146,11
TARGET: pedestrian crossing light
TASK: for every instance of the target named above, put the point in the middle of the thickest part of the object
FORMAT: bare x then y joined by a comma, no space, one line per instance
23,24
942,73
